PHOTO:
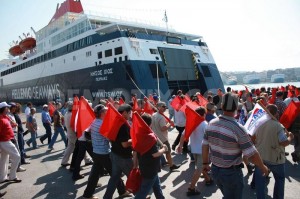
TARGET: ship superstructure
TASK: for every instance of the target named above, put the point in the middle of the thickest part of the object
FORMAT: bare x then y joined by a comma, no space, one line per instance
100,57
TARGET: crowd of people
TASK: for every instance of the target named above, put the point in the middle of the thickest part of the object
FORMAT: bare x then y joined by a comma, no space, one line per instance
219,146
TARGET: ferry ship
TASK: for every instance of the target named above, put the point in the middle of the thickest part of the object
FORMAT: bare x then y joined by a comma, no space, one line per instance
251,79
100,57
277,78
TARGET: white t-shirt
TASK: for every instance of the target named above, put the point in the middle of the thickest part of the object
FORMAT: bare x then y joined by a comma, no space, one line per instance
180,119
27,112
196,138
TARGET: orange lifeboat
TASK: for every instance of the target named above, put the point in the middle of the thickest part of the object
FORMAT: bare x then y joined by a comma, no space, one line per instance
16,50
28,43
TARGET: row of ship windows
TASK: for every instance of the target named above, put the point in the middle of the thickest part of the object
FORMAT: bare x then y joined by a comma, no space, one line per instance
84,42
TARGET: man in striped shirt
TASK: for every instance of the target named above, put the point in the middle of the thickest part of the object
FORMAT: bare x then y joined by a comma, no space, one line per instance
227,141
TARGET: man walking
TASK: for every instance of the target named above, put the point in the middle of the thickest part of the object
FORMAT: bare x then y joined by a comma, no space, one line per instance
227,141
270,141
46,119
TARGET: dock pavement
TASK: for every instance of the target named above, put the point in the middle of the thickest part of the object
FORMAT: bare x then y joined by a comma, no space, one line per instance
44,178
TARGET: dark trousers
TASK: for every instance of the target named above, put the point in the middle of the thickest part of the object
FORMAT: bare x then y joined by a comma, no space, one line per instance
176,142
48,133
100,162
83,146
74,156
21,143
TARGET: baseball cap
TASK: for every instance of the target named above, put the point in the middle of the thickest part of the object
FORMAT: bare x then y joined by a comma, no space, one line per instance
4,104
45,106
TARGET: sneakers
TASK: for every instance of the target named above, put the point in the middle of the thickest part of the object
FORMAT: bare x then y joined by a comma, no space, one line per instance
80,176
21,169
173,167
124,195
192,192
93,197
89,163
25,162
65,165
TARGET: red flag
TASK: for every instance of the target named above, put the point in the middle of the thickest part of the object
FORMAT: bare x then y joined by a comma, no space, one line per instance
51,109
289,93
187,98
74,112
282,88
297,92
135,104
151,98
193,119
194,105
202,100
147,107
176,103
85,116
141,134
272,100
290,113
121,101
112,122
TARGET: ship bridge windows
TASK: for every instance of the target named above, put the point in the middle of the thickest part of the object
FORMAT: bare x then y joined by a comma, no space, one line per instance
108,53
173,40
153,51
118,50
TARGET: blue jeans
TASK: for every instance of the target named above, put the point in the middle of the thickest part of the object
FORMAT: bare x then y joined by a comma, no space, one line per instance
21,146
279,176
147,184
58,130
32,140
230,181
119,165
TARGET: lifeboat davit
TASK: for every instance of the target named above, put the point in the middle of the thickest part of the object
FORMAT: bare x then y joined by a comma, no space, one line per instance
27,43
16,50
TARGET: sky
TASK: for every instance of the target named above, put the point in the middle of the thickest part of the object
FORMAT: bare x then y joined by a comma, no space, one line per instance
242,35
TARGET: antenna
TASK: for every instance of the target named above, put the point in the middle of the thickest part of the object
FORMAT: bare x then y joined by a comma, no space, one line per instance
20,38
165,19
33,30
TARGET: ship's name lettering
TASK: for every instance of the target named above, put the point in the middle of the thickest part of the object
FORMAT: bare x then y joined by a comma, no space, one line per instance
108,71
37,92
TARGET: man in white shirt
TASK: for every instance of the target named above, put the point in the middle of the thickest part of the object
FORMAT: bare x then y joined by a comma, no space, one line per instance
196,139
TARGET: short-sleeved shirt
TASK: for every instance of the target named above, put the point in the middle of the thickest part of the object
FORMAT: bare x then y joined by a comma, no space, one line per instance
227,141
158,121
6,131
196,138
46,117
123,136
99,142
180,119
31,119
149,165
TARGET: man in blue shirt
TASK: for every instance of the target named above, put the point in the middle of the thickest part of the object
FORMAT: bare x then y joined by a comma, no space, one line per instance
101,155
46,119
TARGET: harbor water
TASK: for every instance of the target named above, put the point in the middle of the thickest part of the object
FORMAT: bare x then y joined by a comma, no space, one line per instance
265,84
